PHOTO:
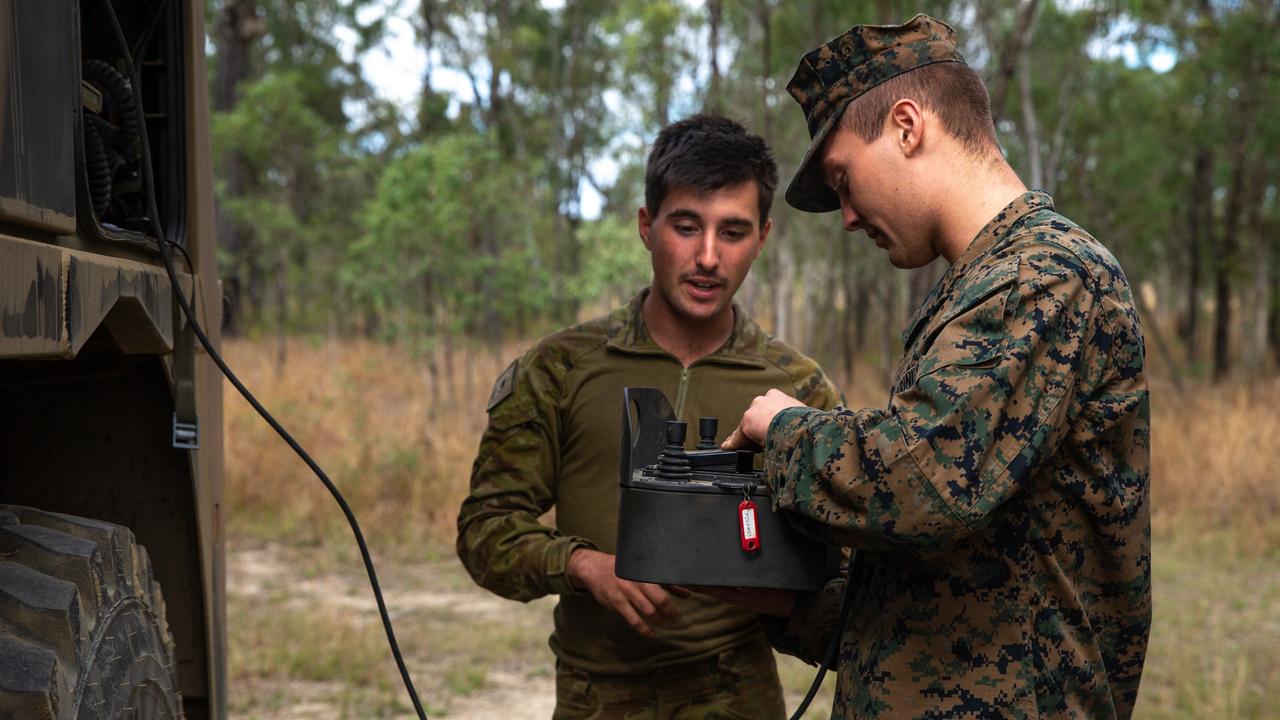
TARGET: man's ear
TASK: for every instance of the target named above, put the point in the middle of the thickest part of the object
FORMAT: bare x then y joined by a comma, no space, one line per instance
764,236
644,223
906,123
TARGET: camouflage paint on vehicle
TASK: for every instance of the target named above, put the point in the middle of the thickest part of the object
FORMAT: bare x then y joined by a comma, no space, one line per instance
55,298
88,328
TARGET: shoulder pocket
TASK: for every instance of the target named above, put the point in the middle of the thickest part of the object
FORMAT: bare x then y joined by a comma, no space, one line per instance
510,414
972,329
509,403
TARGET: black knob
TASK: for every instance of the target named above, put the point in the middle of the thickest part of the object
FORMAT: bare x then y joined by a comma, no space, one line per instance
707,433
676,431
673,461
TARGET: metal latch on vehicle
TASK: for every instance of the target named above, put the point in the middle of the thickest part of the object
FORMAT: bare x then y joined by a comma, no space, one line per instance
186,435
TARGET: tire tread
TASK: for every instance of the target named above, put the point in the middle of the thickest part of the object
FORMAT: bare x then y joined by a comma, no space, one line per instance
68,586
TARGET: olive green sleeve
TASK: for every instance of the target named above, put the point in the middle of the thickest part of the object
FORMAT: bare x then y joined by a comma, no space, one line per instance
501,542
813,387
809,384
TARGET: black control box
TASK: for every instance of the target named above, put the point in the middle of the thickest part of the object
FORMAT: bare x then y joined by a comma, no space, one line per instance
702,516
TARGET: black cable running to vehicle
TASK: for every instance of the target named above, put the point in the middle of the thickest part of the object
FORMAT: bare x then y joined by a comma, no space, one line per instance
153,211
191,268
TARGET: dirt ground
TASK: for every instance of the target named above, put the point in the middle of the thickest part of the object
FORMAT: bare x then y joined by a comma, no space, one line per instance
307,644
275,579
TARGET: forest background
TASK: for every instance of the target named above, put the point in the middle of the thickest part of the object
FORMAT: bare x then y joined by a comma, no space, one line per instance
383,260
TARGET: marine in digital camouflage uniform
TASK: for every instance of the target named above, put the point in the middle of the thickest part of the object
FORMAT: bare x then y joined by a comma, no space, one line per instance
999,503
554,438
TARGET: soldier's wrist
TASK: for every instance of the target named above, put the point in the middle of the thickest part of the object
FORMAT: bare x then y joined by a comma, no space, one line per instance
578,568
573,569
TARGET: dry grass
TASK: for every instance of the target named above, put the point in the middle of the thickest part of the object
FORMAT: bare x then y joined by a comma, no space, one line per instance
367,414
1215,641
402,453
1214,466
402,457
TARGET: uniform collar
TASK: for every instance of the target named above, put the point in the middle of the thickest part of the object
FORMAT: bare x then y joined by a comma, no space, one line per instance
627,333
999,227
991,235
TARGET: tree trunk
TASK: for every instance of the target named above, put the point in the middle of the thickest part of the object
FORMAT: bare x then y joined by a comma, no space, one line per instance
492,321
1256,303
891,288
451,380
1199,235
1225,268
782,271
1222,301
749,292
764,14
1066,93
236,30
861,316
714,15
430,115
850,330
1151,327
886,13
1273,303
1242,188
282,309
1015,46
1030,127
782,282
1257,307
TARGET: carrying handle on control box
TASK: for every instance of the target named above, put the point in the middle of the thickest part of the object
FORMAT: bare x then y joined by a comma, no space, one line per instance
643,439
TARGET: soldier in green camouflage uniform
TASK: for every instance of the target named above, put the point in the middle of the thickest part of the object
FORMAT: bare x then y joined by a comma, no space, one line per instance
999,503
629,650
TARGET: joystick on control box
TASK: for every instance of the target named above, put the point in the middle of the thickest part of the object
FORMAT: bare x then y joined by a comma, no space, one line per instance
702,516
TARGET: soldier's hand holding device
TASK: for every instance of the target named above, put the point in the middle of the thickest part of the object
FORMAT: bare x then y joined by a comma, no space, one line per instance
638,603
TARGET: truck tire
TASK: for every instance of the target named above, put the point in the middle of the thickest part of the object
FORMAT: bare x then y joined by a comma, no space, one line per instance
82,624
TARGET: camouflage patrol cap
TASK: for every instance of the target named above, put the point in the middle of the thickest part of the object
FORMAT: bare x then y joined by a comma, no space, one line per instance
838,72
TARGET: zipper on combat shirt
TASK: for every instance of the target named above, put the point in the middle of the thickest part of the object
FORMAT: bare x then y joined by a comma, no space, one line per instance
684,384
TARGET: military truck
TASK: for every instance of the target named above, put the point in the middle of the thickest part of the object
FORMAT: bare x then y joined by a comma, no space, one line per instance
111,556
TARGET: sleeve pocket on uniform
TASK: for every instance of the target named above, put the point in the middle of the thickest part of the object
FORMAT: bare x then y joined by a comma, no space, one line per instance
512,413
973,331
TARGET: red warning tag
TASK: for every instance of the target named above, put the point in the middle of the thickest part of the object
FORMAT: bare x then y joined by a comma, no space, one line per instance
749,531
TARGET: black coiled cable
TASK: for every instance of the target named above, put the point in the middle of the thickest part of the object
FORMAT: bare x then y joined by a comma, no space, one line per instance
109,147
97,166
120,90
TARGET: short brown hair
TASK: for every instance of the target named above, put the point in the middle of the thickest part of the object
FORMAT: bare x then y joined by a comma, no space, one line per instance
705,153
952,91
